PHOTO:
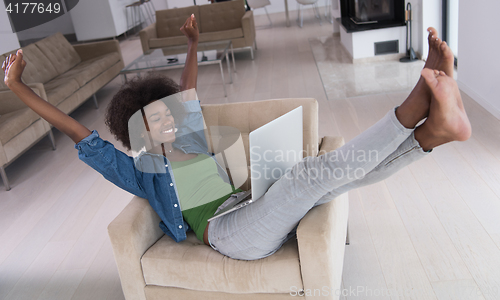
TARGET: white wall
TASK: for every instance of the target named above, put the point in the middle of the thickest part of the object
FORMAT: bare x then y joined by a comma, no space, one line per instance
64,23
61,24
9,39
453,26
479,44
432,16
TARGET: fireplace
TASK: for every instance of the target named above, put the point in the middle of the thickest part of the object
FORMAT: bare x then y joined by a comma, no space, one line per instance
360,15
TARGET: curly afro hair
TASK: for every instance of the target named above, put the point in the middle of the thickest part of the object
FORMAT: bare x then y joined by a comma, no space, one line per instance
134,95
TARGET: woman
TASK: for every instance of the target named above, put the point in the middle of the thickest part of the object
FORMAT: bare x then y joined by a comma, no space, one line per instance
257,230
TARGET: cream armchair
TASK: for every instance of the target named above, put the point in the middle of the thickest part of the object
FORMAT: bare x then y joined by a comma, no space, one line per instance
153,266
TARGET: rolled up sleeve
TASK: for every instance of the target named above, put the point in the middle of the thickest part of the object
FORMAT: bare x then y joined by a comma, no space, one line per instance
113,164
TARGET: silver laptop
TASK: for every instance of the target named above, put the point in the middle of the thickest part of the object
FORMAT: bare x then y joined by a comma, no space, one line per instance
274,149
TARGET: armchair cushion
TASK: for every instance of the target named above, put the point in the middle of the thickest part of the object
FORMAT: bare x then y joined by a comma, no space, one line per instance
204,37
221,35
221,16
167,41
59,52
194,266
169,21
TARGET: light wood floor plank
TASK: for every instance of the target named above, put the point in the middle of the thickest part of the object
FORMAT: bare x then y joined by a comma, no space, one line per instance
34,280
465,289
95,234
475,246
16,264
478,195
434,247
101,279
395,250
362,269
62,285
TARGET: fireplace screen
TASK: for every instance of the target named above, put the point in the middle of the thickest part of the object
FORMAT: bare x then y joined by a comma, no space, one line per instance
372,10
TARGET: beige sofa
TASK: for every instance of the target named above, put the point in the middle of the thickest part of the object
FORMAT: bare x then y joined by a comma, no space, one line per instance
63,75
216,22
153,266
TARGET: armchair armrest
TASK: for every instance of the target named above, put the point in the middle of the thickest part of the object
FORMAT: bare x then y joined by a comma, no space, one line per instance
248,24
95,49
131,233
330,143
321,237
10,102
146,34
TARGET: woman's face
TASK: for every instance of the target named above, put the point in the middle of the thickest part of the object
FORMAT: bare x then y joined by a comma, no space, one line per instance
160,122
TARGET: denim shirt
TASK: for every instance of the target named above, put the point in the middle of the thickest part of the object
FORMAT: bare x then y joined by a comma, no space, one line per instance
159,186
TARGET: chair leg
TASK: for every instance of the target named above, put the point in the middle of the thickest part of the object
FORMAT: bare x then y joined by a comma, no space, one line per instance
141,17
316,11
298,12
95,101
4,179
301,16
251,51
347,235
154,9
270,22
52,139
148,13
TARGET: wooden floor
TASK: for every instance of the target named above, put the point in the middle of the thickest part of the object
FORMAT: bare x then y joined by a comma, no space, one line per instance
429,232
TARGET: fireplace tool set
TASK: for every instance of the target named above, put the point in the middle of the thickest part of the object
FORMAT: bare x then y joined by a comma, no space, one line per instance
410,53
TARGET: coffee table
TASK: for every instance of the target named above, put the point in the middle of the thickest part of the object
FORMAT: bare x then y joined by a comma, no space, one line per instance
175,57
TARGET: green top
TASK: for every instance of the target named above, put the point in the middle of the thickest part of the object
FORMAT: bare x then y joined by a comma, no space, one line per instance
201,190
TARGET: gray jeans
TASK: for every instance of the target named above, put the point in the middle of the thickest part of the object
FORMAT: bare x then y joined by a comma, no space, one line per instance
259,229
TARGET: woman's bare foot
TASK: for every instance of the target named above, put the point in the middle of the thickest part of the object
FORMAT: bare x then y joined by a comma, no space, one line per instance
440,56
416,106
447,119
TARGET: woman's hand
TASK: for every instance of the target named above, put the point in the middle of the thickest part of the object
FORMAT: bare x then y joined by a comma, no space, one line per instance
13,67
190,29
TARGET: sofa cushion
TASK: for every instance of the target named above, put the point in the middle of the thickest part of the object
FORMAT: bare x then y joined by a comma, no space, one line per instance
60,88
89,69
59,51
15,122
221,35
169,21
221,16
38,66
193,265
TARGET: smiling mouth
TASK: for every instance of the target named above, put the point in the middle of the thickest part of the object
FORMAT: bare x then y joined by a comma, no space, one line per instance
167,131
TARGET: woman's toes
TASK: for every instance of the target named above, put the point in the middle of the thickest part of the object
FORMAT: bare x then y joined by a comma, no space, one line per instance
432,33
447,53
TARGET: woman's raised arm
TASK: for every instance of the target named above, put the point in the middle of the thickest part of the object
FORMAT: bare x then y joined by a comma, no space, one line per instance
13,67
190,74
